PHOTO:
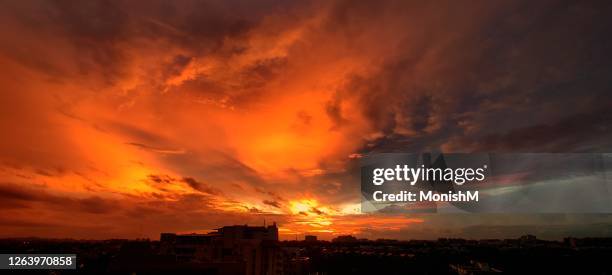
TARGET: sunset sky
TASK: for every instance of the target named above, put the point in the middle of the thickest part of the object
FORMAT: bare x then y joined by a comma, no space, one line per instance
131,118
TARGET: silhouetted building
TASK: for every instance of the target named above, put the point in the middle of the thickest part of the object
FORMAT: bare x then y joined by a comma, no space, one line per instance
138,257
255,247
474,268
528,240
344,239
310,238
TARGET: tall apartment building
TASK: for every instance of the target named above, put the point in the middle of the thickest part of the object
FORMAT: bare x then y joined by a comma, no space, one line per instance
255,247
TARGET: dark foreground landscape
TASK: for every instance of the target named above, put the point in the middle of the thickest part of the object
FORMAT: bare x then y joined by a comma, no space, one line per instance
251,250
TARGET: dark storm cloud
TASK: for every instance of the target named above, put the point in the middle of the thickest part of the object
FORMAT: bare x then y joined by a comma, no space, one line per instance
272,203
161,181
104,31
526,74
263,71
200,186
334,111
218,167
13,195
275,198
14,192
155,149
176,66
583,132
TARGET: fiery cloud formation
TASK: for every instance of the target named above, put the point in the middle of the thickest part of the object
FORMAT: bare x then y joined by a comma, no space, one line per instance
127,118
